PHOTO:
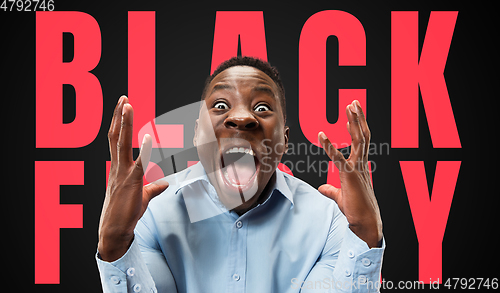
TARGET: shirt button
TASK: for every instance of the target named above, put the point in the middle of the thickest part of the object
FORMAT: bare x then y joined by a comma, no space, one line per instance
362,279
131,272
137,288
239,224
236,277
366,262
115,280
347,273
350,253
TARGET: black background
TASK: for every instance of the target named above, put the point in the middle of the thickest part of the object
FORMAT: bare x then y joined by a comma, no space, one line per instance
184,40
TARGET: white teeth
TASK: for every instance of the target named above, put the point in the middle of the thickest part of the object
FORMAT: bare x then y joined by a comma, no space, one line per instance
240,150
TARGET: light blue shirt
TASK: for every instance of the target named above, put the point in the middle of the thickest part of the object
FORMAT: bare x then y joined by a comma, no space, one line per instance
296,241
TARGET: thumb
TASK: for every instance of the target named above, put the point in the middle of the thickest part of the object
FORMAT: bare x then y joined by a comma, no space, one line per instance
331,192
153,189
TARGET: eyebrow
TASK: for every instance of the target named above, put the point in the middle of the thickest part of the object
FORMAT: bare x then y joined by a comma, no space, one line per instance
258,88
264,89
221,86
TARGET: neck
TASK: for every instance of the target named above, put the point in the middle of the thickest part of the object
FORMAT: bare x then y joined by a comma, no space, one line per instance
257,198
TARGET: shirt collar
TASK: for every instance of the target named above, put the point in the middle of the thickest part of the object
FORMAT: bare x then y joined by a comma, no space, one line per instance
193,174
282,186
197,173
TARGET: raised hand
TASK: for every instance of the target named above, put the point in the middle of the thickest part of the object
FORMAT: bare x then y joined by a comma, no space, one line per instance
126,197
355,197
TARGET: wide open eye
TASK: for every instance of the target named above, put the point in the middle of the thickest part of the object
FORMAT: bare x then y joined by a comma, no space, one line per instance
262,108
221,106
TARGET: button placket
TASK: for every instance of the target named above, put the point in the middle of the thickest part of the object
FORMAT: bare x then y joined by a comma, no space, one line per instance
237,255
115,280
366,262
137,288
131,272
347,272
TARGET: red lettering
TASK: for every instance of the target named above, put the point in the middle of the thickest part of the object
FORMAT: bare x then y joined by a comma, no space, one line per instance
248,25
312,76
52,73
408,73
50,215
312,72
141,69
164,135
430,214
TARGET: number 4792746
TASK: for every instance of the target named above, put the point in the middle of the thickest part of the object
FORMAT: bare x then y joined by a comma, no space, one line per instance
27,5
471,283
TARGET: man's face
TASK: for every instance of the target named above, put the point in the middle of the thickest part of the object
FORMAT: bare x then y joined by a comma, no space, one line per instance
244,112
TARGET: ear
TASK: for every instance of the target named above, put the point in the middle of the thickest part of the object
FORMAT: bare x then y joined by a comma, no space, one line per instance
195,132
287,132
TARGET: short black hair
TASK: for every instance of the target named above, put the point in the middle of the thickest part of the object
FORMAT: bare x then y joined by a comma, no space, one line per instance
261,65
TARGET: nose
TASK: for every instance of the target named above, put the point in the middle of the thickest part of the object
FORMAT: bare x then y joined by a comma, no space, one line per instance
241,119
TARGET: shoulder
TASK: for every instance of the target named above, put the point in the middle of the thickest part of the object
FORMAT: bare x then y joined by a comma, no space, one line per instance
307,197
170,203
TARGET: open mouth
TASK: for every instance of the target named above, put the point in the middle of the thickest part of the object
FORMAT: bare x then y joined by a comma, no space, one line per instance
239,167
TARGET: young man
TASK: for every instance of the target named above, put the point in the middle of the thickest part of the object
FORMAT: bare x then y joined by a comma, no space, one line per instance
283,236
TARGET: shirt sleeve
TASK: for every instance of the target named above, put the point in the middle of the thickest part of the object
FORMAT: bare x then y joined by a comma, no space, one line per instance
126,274
347,264
137,269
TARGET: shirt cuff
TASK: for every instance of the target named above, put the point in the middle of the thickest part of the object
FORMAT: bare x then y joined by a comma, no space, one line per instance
126,274
358,267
